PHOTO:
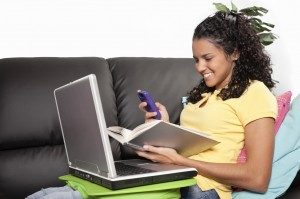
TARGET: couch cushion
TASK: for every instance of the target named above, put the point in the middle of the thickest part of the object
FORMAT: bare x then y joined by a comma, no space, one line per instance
167,79
25,171
28,114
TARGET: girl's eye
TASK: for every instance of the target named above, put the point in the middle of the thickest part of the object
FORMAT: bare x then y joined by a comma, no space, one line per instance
208,59
196,60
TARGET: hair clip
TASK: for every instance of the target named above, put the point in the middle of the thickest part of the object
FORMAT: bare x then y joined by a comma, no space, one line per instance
231,16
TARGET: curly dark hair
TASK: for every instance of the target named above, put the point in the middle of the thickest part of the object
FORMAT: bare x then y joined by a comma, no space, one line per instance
233,32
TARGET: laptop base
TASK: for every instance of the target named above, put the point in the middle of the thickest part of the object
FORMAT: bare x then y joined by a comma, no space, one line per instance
133,182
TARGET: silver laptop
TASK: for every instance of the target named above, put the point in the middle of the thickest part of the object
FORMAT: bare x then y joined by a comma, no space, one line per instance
87,143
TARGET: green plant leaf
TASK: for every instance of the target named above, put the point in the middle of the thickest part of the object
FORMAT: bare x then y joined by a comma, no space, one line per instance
259,27
257,20
267,38
254,11
251,12
234,8
221,7
269,25
261,9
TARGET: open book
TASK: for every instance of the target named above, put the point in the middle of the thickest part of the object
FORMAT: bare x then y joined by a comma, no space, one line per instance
185,141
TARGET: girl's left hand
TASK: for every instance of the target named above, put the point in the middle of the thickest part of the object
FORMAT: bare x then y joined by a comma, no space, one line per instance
160,154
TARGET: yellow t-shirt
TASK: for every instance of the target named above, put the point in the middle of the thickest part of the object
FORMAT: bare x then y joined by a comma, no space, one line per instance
225,121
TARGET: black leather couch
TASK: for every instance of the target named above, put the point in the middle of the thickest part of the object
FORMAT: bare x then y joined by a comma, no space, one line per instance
31,148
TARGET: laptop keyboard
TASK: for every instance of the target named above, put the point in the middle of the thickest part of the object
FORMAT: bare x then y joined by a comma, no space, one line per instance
125,169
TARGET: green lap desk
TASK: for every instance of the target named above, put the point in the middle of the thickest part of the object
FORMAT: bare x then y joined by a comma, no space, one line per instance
162,190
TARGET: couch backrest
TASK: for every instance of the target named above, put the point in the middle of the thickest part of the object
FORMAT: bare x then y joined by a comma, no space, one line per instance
31,148
167,79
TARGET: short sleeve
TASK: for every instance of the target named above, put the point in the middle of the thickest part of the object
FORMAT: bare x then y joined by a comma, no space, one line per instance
256,102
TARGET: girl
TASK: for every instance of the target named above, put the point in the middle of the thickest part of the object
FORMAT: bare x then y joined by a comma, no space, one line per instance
233,103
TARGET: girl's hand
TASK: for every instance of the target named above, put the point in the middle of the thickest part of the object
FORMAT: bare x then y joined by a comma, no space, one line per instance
161,154
149,115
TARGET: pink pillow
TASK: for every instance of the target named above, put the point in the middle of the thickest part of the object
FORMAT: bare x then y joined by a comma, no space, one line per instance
283,103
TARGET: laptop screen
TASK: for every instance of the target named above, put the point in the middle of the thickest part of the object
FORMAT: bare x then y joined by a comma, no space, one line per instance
83,127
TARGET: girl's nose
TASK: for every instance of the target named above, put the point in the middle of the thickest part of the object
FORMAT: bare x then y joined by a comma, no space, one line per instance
200,66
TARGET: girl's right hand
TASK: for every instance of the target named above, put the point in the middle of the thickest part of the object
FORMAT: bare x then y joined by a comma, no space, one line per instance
149,115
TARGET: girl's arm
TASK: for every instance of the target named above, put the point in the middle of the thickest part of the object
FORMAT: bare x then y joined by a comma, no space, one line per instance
253,175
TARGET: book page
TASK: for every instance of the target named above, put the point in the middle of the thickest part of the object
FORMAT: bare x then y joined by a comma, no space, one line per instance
125,133
116,136
116,129
143,127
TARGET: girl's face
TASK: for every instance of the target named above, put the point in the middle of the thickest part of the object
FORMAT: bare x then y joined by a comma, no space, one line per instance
212,63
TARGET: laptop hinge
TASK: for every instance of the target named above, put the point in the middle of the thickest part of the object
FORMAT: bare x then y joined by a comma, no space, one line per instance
87,166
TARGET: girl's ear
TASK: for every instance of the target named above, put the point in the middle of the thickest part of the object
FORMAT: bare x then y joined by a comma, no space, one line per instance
235,55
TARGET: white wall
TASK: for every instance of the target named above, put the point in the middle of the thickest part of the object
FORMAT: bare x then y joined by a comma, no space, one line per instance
111,28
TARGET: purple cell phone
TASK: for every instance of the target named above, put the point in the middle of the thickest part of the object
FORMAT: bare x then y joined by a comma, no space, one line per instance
151,107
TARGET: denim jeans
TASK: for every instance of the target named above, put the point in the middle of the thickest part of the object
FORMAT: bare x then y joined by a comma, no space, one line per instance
56,193
194,192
